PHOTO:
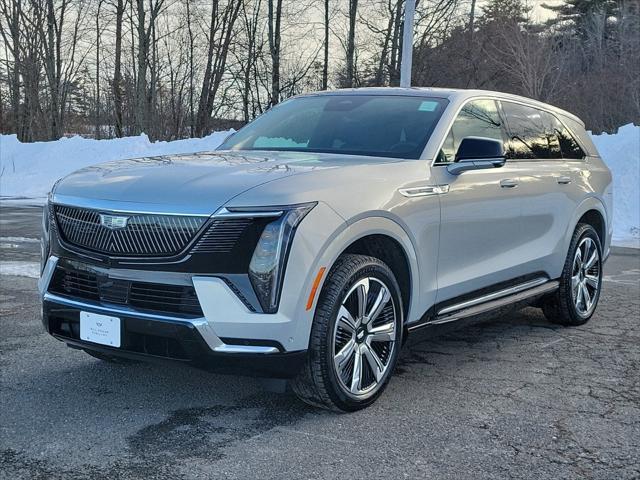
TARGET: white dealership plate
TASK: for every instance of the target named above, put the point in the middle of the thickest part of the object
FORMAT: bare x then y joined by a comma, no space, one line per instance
101,329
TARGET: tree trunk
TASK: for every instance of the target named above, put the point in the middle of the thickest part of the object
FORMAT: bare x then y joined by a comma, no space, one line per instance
325,64
216,60
274,48
202,121
191,54
141,119
52,61
117,71
97,134
351,43
396,45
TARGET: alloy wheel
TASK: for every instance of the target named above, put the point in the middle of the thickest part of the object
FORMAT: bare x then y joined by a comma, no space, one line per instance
364,337
585,276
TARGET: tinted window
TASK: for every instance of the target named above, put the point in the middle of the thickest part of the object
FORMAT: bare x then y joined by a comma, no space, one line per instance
567,144
383,126
478,118
550,131
527,132
578,133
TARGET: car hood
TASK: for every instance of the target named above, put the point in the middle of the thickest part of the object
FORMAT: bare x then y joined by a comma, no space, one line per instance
197,184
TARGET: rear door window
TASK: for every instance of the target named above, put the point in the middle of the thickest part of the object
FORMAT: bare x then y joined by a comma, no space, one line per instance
528,134
478,118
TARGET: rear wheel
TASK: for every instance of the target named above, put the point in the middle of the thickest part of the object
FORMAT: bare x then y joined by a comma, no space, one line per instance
355,338
581,280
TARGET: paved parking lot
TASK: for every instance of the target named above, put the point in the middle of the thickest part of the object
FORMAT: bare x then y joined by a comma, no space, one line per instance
513,397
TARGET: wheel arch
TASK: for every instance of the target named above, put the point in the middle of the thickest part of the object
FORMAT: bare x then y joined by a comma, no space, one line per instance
385,239
594,218
390,251
592,211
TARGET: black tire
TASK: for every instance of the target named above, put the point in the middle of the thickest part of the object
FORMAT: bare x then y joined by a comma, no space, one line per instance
561,307
317,383
110,358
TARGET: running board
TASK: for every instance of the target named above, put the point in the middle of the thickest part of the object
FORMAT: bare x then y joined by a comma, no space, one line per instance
466,311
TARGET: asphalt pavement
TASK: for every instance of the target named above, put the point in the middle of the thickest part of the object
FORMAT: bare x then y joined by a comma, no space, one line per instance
512,397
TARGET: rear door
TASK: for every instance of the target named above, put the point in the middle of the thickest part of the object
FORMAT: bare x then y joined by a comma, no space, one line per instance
480,214
546,183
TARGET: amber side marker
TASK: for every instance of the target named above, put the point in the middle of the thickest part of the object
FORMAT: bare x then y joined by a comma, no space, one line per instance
314,289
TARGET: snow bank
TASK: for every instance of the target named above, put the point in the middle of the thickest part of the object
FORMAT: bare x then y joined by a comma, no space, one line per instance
28,170
621,152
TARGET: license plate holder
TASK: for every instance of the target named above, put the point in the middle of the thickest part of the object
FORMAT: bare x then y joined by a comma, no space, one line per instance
101,329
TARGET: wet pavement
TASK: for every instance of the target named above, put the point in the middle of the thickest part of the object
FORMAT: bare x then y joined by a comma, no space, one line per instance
512,397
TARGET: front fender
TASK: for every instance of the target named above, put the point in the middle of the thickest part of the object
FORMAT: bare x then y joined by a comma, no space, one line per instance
374,223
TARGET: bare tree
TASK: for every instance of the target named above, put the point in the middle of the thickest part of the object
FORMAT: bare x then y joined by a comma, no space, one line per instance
351,43
117,70
248,56
529,60
11,30
144,32
178,69
221,28
98,34
325,63
191,69
275,18
59,27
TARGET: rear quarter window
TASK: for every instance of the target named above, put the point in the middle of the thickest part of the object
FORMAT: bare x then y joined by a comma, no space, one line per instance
578,130
568,145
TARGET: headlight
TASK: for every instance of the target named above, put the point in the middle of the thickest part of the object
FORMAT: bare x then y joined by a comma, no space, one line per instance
266,269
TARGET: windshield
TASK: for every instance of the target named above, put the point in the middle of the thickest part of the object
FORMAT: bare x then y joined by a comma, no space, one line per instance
373,125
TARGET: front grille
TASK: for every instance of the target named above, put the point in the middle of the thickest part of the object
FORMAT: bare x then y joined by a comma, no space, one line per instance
126,234
154,297
222,235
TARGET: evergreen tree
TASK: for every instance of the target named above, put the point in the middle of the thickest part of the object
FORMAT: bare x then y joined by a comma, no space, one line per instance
577,16
504,11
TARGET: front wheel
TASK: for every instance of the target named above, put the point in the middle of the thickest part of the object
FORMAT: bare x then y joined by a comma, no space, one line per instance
581,280
355,338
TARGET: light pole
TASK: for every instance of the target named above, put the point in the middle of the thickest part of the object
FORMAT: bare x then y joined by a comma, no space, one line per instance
407,43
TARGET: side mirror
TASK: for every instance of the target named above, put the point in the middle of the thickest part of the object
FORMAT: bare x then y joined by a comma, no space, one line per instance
477,153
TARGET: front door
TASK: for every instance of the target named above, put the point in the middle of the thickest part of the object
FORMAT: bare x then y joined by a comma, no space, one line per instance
480,228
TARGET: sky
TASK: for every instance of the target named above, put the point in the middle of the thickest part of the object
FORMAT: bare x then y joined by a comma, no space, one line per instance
539,12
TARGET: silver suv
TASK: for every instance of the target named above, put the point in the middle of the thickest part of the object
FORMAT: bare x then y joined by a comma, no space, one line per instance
322,235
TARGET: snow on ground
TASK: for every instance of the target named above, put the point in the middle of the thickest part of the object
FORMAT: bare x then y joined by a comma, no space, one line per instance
621,152
28,170
19,240
20,269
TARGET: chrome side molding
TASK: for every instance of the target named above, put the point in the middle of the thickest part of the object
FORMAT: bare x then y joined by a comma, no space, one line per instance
492,296
489,305
424,191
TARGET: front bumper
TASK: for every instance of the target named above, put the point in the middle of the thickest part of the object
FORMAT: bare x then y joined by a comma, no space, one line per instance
154,336
158,338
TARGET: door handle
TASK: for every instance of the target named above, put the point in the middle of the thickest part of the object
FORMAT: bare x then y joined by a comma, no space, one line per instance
508,183
563,180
